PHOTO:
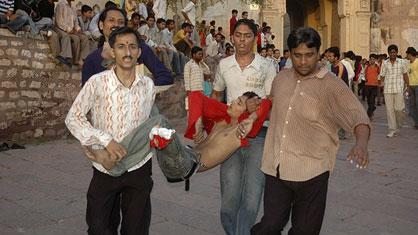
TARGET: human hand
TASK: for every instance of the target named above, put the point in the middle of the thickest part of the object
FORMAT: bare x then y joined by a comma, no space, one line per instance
199,136
88,153
116,150
359,155
244,128
253,104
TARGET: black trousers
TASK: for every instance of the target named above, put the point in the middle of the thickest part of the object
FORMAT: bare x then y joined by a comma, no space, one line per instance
371,93
306,200
108,195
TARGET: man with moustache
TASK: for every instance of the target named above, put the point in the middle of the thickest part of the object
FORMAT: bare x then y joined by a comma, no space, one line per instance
241,178
119,100
100,59
310,105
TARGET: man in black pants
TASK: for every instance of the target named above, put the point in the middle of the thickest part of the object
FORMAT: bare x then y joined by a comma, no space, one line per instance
302,141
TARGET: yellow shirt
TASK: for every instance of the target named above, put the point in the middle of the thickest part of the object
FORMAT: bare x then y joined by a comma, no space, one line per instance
179,36
413,73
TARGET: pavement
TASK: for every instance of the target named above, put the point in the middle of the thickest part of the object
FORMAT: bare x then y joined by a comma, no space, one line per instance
43,191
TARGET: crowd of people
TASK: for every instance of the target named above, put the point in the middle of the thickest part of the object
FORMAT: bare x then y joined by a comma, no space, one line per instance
232,83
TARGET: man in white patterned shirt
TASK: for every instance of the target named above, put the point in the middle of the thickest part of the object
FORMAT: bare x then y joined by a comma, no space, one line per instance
120,100
396,82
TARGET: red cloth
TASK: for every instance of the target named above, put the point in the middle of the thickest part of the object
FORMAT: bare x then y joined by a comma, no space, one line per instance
213,111
232,23
159,142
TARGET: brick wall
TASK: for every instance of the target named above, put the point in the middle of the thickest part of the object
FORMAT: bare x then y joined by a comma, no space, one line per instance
36,93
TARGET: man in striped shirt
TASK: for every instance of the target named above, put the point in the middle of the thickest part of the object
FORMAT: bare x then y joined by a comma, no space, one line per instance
13,16
394,75
309,106
119,100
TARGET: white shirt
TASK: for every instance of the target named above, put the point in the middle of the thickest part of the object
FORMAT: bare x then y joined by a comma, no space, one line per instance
209,39
115,110
257,77
350,71
160,9
190,10
142,10
168,39
93,26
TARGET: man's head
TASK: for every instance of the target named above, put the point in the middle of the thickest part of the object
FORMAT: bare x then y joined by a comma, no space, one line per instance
276,53
286,54
239,106
411,53
393,52
333,55
212,32
270,50
186,27
197,54
218,37
220,29
229,51
304,44
86,12
151,21
244,15
234,13
109,4
194,1
125,47
244,36
170,24
161,24
266,30
212,23
110,19
263,52
135,19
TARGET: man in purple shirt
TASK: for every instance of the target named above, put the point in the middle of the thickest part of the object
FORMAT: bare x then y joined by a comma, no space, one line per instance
110,19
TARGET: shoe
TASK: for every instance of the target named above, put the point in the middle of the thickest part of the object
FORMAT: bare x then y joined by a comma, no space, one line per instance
63,61
391,134
17,146
4,147
45,33
26,28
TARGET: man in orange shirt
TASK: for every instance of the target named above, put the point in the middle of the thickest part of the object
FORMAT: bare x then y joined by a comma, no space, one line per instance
372,84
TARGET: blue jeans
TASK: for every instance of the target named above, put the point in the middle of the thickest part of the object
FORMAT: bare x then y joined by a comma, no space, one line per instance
242,185
413,104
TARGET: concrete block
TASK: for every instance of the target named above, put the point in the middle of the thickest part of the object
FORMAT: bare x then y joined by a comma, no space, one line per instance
8,84
3,43
1,52
64,75
42,45
35,85
26,53
2,93
11,73
22,104
40,56
22,84
14,94
37,65
26,73
38,133
21,62
16,43
50,66
31,94
12,52
59,94
5,62
7,105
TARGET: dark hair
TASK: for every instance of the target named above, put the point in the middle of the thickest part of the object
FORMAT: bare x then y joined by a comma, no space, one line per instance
392,47
235,11
160,20
266,28
264,24
212,22
250,94
185,25
86,8
286,50
247,22
135,14
309,36
276,50
212,31
262,48
335,51
195,50
150,16
270,46
220,28
228,48
244,12
350,54
122,31
110,4
411,51
102,18
373,56
203,22
169,21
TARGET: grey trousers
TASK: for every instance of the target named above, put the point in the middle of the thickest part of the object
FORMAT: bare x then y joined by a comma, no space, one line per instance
176,161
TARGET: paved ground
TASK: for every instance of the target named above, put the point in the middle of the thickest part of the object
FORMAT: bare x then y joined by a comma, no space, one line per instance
43,188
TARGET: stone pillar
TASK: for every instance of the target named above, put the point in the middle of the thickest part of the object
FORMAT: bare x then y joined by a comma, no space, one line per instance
273,12
355,26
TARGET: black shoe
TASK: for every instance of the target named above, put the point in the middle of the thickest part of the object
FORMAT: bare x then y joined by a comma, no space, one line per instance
63,61
4,147
17,146
11,30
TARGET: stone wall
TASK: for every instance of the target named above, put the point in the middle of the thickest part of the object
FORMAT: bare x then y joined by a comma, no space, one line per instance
36,93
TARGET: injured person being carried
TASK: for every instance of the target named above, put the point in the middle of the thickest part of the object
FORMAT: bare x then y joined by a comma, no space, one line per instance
217,129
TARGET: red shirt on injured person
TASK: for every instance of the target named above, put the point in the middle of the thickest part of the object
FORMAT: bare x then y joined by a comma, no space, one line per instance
213,111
